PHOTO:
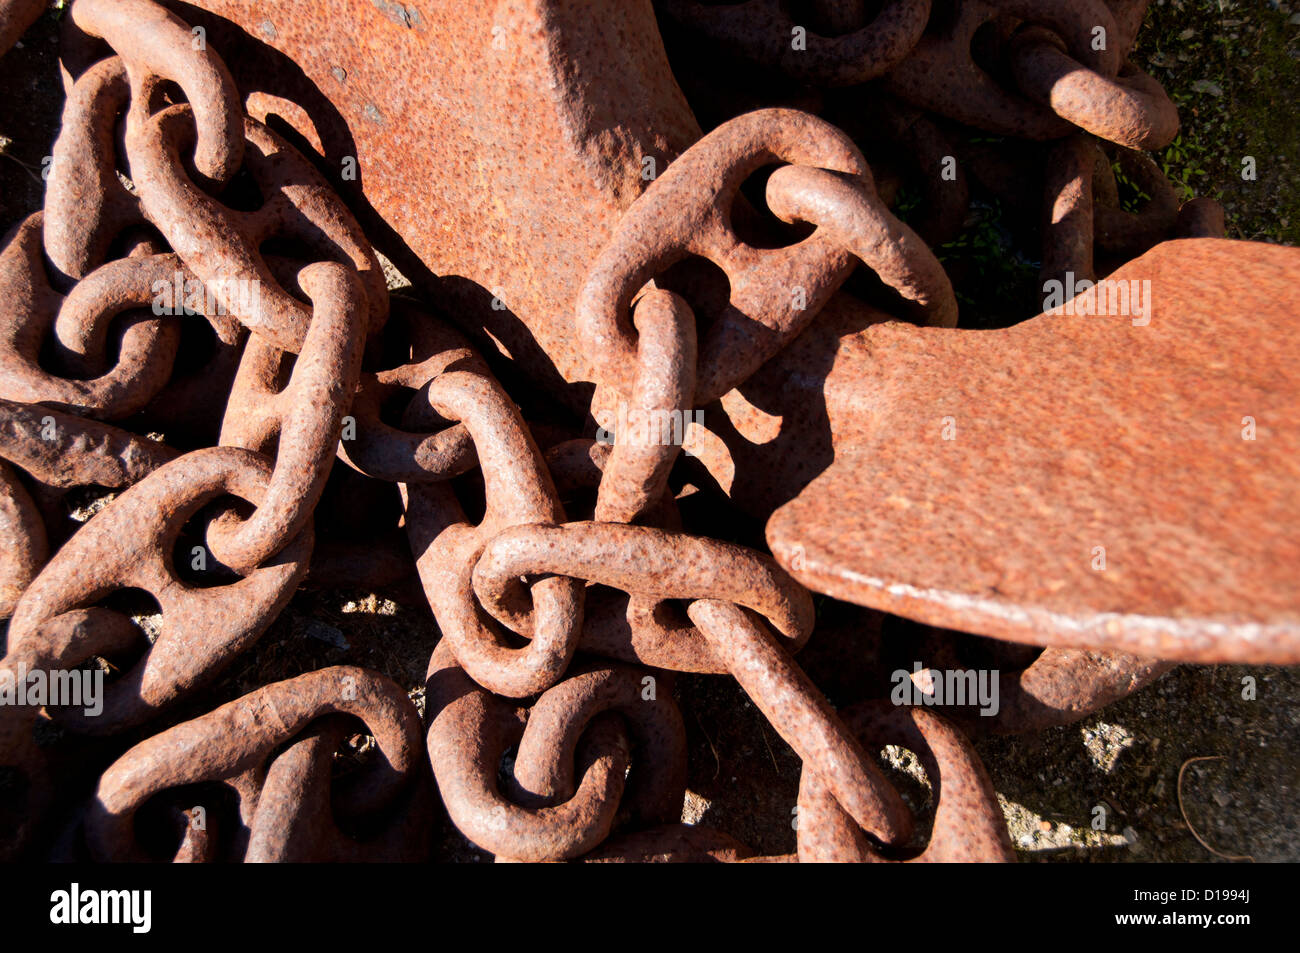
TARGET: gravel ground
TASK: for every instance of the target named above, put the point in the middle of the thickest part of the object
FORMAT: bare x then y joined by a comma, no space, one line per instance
1231,67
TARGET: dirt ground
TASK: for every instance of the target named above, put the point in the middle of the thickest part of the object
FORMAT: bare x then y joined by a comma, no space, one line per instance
1232,68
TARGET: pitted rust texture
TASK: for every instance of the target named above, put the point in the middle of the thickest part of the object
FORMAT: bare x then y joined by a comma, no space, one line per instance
1037,689
1087,234
653,127
873,528
130,544
513,147
574,748
26,546
636,474
719,579
86,205
35,310
389,453
1131,108
645,567
613,252
303,419
803,717
295,820
854,218
156,45
686,211
968,824
63,450
244,736
546,756
578,465
1062,686
518,489
70,639
60,453
1069,225
223,245
940,73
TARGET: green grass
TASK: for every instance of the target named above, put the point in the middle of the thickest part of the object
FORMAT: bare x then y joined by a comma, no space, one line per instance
1007,287
1233,71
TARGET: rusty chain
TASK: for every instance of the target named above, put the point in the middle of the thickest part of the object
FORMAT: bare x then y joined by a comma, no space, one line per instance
560,635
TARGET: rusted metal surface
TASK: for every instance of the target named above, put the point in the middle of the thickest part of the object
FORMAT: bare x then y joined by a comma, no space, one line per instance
304,419
290,816
65,450
968,824
514,146
1131,108
616,267
104,390
1086,233
642,561
799,713
583,193
1062,686
130,544
636,474
1036,688
390,453
26,546
940,73
1157,450
518,490
156,45
573,752
684,213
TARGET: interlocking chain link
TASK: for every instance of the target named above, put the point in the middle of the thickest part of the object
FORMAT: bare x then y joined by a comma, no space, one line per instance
385,452
244,736
686,211
775,293
148,347
968,825
303,420
222,245
572,763
553,731
130,544
926,76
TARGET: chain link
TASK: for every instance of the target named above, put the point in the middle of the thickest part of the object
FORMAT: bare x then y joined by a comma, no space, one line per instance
553,728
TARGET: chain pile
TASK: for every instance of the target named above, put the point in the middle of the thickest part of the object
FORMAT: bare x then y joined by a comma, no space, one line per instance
564,584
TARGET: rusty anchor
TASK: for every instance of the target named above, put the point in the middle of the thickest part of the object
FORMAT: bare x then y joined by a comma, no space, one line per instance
843,535
1123,511
1076,481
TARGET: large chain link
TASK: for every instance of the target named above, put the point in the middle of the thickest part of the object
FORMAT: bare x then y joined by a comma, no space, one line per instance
553,732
